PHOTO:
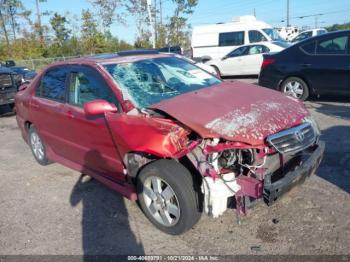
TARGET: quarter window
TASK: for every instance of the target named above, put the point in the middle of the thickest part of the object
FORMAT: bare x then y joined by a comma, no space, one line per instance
309,47
86,85
256,36
52,85
231,39
333,46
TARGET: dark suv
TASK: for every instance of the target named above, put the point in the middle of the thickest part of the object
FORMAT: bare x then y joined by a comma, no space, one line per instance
9,83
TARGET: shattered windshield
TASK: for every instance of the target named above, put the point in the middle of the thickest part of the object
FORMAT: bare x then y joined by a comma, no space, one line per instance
150,81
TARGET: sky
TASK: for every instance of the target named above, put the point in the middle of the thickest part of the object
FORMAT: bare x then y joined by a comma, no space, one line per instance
214,11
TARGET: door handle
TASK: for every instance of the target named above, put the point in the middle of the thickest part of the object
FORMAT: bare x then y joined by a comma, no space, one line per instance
69,114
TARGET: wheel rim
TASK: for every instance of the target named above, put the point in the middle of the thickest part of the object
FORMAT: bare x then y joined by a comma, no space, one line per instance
37,145
161,201
294,88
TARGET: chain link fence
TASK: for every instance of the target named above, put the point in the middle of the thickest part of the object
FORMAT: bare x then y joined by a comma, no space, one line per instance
37,64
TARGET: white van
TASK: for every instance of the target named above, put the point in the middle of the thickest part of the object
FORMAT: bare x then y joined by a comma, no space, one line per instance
217,40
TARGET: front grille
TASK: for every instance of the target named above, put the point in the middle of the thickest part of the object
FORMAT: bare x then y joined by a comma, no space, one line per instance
294,139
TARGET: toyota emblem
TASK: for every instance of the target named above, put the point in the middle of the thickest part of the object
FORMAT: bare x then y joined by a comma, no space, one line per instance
299,136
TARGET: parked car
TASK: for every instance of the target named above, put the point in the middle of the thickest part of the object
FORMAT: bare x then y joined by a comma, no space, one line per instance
8,63
316,66
24,72
216,40
9,83
245,60
171,49
160,130
309,33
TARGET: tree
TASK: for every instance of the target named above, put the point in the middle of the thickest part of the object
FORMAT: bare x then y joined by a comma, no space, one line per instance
107,12
177,25
38,25
58,24
13,9
138,9
3,22
91,37
337,27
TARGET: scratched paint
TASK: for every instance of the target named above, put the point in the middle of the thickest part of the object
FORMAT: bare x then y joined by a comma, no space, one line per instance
251,123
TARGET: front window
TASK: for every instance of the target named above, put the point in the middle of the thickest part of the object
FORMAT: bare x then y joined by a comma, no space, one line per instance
150,81
273,34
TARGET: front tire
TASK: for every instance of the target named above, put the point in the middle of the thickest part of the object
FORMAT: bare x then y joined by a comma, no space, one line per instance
38,147
167,196
295,87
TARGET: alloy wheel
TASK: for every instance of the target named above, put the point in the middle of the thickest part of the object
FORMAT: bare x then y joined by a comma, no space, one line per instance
161,201
294,89
37,145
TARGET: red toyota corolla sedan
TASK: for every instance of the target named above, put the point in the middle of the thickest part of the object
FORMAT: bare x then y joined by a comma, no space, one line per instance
162,131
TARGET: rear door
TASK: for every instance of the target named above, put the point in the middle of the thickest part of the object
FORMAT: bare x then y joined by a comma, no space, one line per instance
46,109
327,69
90,141
253,60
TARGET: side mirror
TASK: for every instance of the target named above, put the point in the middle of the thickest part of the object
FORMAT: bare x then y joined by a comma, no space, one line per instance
224,58
99,107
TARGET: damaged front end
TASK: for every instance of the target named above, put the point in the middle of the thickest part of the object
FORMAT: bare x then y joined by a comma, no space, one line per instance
235,170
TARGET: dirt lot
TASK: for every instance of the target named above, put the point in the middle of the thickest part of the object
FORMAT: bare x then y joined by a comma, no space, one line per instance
49,210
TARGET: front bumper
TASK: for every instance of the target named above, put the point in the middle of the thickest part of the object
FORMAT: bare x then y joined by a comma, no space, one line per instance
273,189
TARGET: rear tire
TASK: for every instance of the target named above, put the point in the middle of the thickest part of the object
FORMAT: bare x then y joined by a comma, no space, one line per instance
295,87
38,147
167,196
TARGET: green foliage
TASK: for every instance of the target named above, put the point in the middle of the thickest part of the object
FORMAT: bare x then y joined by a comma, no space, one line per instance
177,26
337,27
58,24
23,35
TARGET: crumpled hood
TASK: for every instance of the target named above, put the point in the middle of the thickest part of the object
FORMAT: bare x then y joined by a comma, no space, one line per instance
235,111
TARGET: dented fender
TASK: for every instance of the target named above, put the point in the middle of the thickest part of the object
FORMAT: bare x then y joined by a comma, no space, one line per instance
140,133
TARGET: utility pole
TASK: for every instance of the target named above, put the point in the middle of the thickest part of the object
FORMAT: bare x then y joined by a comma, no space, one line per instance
254,12
155,22
288,13
149,10
160,12
41,34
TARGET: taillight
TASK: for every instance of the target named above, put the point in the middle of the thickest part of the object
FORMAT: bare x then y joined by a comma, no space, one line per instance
266,62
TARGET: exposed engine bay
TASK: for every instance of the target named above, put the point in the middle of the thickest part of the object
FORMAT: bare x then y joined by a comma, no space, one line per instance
246,173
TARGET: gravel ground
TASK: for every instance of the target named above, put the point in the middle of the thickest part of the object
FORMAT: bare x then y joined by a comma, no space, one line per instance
49,210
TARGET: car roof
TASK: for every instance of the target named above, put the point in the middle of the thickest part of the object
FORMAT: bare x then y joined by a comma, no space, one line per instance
326,35
119,57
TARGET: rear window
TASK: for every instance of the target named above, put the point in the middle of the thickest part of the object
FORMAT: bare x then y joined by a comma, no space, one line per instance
52,84
333,46
231,39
